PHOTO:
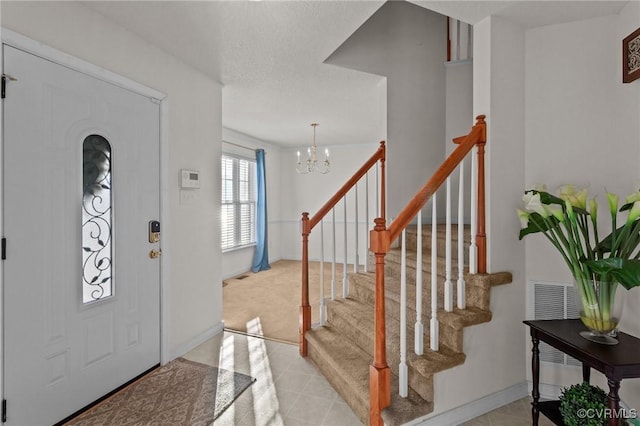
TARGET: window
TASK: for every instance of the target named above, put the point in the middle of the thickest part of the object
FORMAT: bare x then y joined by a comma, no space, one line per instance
96,219
238,215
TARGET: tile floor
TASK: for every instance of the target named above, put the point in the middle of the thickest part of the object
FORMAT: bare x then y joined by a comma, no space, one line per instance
290,391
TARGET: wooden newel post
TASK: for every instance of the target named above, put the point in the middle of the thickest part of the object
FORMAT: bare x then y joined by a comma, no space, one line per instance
481,236
305,308
379,372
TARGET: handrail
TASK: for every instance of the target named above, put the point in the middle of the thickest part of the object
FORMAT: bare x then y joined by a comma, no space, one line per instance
307,224
326,208
380,244
465,144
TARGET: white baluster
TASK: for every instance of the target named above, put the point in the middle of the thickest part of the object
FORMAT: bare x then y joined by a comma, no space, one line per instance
378,189
323,308
357,256
366,221
419,328
403,371
473,248
345,288
434,326
461,284
333,254
448,285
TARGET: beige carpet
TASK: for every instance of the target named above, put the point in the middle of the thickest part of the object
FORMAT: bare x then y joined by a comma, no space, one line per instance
267,303
182,392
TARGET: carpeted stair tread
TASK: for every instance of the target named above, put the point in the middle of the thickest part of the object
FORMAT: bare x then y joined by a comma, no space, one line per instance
489,280
393,264
366,283
441,238
345,366
343,348
363,285
355,320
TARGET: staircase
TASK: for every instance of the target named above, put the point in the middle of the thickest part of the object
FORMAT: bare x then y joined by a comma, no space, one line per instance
366,346
343,349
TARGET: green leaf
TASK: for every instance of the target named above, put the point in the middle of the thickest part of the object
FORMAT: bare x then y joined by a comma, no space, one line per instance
546,198
626,207
538,224
605,245
625,271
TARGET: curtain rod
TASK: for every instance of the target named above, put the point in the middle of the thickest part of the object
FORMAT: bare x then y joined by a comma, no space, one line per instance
240,146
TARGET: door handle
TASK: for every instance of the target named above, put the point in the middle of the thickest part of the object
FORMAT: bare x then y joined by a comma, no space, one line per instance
154,254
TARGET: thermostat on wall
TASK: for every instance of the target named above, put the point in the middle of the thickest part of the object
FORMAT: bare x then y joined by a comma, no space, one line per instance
189,179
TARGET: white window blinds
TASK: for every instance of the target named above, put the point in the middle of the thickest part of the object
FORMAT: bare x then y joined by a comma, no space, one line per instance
238,215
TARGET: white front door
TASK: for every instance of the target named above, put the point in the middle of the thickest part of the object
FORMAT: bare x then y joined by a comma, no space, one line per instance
81,292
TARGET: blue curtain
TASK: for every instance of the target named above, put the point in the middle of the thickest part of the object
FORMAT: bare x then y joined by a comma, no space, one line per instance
261,255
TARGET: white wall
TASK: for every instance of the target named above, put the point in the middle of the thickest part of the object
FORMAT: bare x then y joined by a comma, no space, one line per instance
582,128
458,122
239,261
495,350
194,143
308,193
407,44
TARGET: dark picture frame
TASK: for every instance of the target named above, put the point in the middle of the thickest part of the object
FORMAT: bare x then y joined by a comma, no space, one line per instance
631,57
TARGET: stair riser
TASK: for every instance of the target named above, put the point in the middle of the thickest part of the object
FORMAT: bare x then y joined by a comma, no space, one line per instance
477,296
393,266
366,295
441,246
359,405
421,384
449,337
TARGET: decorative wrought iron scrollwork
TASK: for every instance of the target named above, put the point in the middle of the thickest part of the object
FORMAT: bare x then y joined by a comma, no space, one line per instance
96,219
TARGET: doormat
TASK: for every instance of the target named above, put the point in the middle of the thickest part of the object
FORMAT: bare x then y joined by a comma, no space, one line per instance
182,392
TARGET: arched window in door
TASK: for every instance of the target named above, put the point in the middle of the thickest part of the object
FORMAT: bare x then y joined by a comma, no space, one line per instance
97,273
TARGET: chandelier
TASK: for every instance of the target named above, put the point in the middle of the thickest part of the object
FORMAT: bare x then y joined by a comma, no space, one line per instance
311,164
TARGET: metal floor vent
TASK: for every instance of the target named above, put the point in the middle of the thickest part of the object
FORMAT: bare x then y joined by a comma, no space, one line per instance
241,277
551,300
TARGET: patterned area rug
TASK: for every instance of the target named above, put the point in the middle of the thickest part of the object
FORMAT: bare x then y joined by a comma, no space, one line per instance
182,392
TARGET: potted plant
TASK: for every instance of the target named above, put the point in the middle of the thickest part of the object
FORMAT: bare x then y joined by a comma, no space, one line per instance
598,266
583,405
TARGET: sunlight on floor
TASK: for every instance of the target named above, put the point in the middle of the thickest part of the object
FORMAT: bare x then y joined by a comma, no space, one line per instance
265,406
226,361
289,390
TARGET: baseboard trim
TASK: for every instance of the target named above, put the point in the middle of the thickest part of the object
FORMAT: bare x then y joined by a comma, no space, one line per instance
475,408
197,340
549,391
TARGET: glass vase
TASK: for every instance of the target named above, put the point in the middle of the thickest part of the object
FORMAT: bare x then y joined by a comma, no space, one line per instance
601,304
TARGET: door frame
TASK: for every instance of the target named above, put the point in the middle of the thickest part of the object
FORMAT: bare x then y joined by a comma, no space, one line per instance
36,48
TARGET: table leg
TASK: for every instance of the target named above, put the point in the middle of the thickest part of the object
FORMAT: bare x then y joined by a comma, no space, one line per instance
613,402
586,372
535,372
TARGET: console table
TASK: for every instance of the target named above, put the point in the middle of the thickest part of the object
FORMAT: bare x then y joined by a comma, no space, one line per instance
618,362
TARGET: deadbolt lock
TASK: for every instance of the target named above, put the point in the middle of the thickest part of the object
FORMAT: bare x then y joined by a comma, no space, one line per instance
154,231
154,254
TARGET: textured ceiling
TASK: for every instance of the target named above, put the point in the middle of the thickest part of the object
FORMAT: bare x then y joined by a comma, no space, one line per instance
269,56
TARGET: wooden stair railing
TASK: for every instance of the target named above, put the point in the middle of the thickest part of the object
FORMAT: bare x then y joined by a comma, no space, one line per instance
309,223
381,238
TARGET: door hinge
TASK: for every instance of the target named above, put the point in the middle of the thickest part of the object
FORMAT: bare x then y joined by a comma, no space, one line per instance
4,248
4,411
